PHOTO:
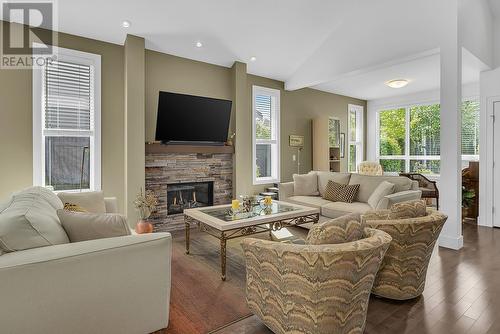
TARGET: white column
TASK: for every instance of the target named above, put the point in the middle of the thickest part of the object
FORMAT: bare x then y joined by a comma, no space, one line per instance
451,119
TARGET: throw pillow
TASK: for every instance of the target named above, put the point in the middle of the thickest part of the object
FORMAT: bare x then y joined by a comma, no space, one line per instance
29,220
410,209
92,201
337,192
324,177
336,231
305,184
74,207
385,188
81,226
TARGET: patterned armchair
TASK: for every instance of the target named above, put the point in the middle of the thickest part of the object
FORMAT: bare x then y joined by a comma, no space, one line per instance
370,168
403,271
313,288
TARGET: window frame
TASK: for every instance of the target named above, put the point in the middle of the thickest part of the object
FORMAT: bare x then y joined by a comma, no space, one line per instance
275,128
360,130
39,131
407,157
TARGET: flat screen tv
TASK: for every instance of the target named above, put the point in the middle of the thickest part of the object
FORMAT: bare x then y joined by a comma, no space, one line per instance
185,119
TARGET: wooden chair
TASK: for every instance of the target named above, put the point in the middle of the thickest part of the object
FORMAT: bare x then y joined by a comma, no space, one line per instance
428,187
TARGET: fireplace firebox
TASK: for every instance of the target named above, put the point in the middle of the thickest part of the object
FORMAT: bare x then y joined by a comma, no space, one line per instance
188,195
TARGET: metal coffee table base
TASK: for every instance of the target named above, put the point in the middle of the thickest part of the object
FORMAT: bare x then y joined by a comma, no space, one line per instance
223,236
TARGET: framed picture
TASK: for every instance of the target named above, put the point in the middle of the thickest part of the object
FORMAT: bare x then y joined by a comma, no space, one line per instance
342,145
296,141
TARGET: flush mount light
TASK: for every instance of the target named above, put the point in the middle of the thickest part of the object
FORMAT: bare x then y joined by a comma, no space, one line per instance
126,24
397,83
253,58
199,44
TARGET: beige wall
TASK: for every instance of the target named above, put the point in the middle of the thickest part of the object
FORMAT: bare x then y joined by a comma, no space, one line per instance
298,108
16,147
179,75
161,72
134,123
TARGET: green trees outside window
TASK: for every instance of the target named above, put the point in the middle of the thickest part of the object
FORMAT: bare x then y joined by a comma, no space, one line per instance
409,138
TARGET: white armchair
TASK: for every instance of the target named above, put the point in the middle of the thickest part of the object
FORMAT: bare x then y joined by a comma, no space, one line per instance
110,285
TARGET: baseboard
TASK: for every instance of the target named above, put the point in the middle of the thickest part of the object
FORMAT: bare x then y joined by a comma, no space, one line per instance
483,222
451,242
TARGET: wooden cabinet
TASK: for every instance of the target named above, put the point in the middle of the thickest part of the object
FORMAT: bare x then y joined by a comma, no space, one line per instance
326,144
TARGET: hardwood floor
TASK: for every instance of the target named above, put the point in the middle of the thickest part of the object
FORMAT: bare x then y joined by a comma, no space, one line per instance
462,294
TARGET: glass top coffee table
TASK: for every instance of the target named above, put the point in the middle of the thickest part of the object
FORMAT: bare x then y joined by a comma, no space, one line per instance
220,223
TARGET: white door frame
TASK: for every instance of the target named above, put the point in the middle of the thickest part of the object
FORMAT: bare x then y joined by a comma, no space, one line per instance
487,154
495,164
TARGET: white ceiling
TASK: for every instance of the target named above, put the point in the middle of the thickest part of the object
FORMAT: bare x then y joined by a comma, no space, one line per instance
332,45
281,34
423,74
495,7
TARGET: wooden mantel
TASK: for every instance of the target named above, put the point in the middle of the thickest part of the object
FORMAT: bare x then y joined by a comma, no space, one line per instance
157,148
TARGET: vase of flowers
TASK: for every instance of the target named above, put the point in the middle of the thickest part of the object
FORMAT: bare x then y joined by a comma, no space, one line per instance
145,203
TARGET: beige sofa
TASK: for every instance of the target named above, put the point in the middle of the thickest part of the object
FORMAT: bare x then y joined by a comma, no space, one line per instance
405,190
109,285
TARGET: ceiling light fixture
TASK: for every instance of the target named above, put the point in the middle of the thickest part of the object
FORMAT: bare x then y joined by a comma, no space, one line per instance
397,83
126,24
253,58
199,44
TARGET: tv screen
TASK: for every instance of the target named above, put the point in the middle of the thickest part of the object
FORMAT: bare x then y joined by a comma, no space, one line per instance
187,118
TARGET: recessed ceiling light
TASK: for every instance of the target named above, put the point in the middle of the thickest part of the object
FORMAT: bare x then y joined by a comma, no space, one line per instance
199,44
253,58
397,83
126,24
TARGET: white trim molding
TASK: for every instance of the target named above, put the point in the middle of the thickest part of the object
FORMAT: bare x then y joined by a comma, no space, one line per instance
451,243
39,131
274,142
359,142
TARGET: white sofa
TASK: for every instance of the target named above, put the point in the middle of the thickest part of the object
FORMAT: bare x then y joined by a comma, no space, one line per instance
111,285
405,190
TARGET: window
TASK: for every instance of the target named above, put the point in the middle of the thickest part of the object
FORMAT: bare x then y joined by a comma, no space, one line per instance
409,139
470,130
66,122
355,137
266,112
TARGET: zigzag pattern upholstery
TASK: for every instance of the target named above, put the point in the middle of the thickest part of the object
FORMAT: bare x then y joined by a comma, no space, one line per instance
313,289
403,271
370,168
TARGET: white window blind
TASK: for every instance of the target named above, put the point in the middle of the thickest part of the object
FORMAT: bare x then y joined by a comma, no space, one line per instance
66,122
68,96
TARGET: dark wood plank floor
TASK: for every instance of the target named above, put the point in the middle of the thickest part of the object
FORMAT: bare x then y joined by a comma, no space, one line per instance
462,294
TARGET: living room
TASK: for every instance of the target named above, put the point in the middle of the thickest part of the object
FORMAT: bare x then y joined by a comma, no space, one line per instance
196,142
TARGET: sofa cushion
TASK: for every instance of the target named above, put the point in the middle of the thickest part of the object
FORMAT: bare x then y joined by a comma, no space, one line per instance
384,188
369,183
305,184
324,177
337,192
337,209
336,231
81,226
311,201
41,192
29,220
92,201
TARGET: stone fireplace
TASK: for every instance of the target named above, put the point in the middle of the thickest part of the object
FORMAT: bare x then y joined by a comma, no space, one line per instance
183,177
